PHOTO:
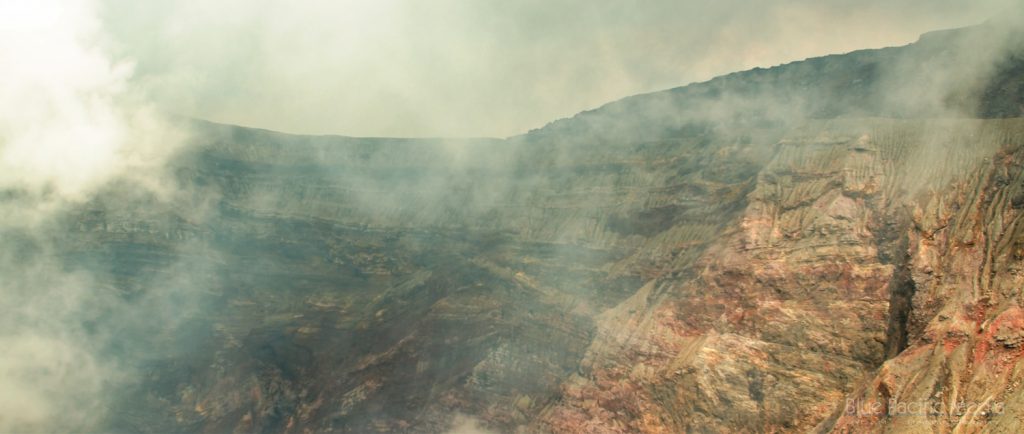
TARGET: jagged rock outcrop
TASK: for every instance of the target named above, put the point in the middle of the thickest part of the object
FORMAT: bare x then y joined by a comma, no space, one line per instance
962,370
784,315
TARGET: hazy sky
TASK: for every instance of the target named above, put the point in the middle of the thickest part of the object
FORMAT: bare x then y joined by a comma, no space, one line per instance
474,68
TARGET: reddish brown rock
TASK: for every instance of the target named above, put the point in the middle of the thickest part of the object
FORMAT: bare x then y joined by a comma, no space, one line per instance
781,319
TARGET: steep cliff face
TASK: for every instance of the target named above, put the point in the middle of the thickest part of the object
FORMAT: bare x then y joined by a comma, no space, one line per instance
752,253
962,370
787,312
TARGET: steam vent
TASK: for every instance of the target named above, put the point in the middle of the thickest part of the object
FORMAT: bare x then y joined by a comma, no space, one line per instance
830,245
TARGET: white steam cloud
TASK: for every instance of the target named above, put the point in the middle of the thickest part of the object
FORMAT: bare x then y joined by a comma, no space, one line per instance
463,424
69,123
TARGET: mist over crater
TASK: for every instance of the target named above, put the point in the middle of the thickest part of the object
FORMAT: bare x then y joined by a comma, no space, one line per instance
830,244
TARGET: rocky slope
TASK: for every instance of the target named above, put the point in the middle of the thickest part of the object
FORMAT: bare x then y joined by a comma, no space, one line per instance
365,285
774,250
963,369
814,288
